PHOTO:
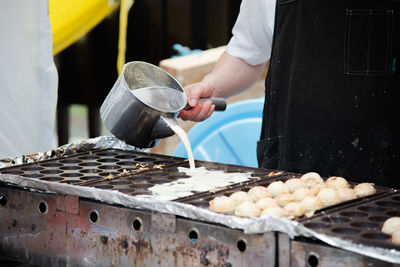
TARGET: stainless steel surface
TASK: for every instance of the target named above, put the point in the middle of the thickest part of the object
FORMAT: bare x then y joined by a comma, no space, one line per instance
307,253
47,229
126,116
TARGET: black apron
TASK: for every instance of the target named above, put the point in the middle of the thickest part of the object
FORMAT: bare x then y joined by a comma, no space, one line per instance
333,90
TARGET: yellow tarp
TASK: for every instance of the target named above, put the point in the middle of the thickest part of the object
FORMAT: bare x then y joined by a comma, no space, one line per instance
72,19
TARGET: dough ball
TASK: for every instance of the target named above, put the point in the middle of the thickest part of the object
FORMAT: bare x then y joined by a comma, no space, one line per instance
317,187
391,225
302,193
295,183
239,197
328,196
258,192
310,205
247,209
293,210
274,211
277,188
222,204
337,182
284,198
266,203
396,237
364,189
346,194
311,178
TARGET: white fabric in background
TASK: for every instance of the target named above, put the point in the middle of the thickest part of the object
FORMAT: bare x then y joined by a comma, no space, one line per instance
253,31
28,78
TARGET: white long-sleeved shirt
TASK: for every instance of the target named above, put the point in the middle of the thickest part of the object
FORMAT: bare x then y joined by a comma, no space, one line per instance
253,31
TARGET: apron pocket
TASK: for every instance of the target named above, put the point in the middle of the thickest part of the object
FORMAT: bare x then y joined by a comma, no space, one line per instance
269,154
368,42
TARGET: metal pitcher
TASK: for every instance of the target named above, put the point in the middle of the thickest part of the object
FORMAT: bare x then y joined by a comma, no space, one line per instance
141,97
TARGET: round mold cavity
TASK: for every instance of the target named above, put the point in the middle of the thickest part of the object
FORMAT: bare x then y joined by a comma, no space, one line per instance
396,198
345,230
316,225
159,181
127,163
200,203
393,213
354,214
71,181
123,182
371,209
70,168
12,172
142,185
139,178
126,156
51,164
32,168
125,190
105,186
232,170
90,178
71,161
258,174
158,162
109,167
33,175
91,157
376,236
364,224
389,204
108,173
89,164
51,171
70,175
335,219
173,177
90,171
107,160
107,154
52,179
158,174
378,218
145,159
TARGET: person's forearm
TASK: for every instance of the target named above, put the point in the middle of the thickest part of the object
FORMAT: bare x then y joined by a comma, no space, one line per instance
232,75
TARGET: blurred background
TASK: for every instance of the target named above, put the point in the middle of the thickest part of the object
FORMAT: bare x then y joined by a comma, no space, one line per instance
87,68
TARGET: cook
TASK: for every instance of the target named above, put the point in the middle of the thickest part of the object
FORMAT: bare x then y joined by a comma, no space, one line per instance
332,89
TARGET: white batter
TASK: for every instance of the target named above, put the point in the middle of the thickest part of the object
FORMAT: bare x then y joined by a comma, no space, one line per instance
201,180
183,136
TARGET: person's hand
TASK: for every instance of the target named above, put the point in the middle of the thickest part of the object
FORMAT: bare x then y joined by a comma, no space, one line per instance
196,111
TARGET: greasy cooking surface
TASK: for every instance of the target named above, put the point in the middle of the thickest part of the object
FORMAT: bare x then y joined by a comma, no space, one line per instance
139,183
133,173
84,168
361,222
